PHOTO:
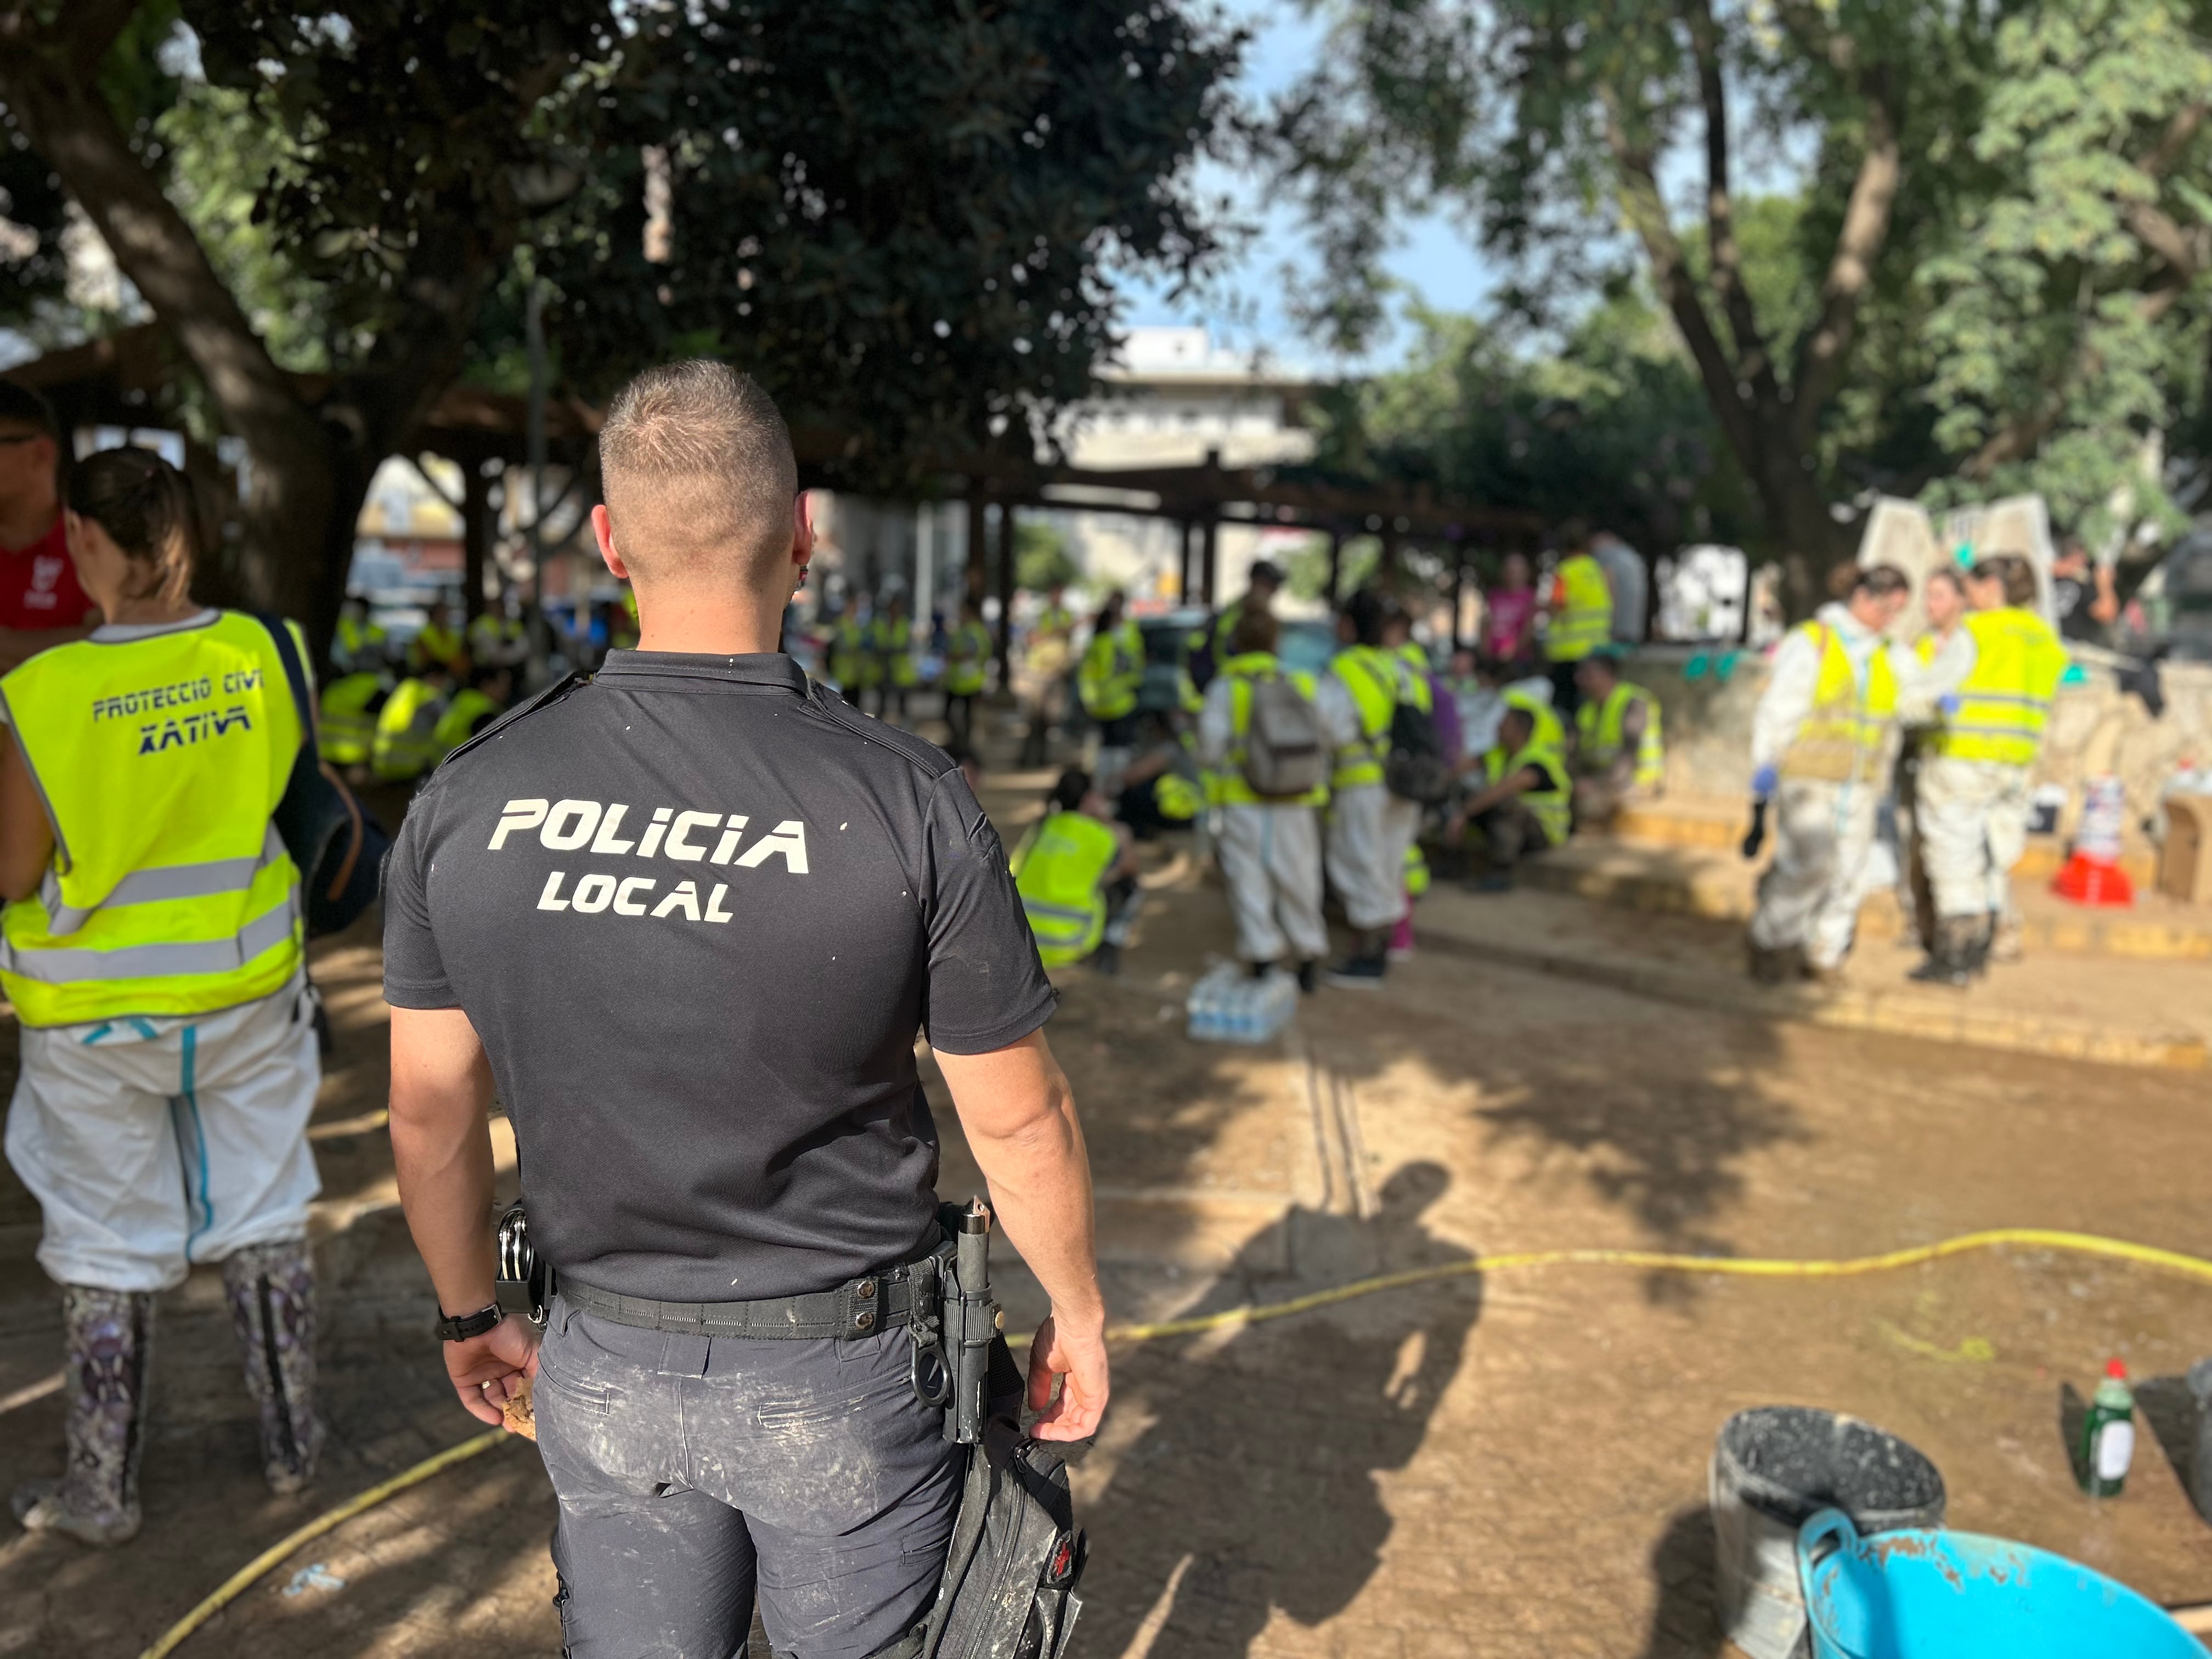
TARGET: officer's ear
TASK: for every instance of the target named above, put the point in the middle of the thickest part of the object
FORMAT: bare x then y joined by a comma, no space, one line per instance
603,531
802,527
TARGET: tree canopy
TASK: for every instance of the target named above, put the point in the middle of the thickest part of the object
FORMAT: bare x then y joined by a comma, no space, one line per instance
1977,201
904,218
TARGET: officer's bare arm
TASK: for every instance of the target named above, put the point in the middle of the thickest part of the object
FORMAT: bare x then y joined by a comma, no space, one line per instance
1019,1116
441,1147
27,839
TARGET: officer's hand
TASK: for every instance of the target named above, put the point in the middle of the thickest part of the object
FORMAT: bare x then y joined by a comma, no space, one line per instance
1080,1359
488,1371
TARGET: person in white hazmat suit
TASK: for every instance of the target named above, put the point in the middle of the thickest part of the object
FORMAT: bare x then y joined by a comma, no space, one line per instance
1990,687
1821,743
1270,848
1369,828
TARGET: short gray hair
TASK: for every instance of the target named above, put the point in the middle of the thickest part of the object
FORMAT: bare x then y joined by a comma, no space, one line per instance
695,460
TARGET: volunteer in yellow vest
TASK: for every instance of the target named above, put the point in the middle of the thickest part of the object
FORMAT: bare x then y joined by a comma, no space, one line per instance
1047,657
1524,803
1991,683
1107,680
890,641
406,743
1077,875
360,645
1270,846
852,661
967,661
1369,828
439,643
1618,754
499,637
1821,742
1579,619
1162,787
1208,646
475,706
345,723
153,952
1943,602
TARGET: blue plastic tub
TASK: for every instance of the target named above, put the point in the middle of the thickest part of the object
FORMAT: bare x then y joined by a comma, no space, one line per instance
1934,1593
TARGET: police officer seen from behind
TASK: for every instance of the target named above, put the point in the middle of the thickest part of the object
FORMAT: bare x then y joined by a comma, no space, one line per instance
687,919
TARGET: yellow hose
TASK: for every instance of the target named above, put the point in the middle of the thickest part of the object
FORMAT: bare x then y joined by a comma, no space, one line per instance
243,1578
2117,1249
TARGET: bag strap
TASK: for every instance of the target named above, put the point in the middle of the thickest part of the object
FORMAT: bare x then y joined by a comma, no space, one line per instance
280,632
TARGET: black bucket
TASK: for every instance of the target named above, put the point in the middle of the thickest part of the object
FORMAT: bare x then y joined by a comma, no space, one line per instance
1773,1467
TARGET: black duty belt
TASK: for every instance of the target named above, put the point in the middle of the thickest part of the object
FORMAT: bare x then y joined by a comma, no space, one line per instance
860,1306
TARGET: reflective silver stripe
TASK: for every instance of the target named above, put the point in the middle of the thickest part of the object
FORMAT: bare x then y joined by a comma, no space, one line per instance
2001,697
220,956
1036,907
1952,729
165,882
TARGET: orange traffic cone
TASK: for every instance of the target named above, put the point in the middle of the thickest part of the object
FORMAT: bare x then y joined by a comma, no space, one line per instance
2092,874
2087,880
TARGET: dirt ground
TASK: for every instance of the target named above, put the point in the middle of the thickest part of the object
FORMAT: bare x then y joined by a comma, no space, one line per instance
1510,1464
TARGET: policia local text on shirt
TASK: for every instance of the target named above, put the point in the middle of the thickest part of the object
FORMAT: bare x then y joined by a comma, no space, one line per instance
687,917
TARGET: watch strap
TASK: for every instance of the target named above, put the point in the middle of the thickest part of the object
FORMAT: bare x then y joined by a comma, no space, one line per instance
463,1328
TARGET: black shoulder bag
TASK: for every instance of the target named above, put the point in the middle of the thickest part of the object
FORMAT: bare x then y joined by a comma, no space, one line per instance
337,843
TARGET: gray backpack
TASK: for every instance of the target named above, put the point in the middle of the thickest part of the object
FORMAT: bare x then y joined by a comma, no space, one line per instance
1285,754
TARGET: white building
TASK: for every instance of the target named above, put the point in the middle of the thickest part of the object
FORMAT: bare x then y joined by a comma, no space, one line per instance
1172,400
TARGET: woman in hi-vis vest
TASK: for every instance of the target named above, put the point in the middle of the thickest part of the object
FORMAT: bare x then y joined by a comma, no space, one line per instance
152,949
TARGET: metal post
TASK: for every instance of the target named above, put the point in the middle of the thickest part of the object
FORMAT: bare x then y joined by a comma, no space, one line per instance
1206,553
924,567
1459,592
1335,563
541,631
1005,596
979,528
1182,560
476,536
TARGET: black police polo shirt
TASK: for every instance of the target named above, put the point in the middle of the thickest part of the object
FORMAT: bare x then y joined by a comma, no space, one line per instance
697,910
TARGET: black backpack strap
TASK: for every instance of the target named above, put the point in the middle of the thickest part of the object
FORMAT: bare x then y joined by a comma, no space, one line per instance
295,671
553,693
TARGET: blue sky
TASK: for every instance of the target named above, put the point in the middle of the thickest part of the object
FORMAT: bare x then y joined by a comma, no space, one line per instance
1435,259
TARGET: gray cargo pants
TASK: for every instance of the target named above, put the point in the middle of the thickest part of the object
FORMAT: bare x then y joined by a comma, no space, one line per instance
692,1469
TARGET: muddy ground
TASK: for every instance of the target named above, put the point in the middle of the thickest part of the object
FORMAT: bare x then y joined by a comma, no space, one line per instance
1510,1465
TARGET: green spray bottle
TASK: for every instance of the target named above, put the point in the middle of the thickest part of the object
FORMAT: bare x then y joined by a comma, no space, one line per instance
2108,1434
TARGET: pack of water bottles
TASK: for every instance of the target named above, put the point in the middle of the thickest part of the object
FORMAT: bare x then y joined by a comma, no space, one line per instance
1228,1005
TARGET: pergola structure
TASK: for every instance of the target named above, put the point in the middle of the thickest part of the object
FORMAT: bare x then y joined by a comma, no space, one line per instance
111,381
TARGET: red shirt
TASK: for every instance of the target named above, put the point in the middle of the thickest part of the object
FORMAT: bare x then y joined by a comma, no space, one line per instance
37,585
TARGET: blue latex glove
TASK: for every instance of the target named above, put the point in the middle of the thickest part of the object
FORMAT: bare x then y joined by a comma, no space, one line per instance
1947,704
1762,783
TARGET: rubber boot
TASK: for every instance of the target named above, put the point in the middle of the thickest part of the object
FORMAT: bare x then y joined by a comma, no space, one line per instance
271,1291
1959,943
109,1337
1363,970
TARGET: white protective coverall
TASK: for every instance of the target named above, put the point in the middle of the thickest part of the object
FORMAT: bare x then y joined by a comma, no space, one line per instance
1823,832
1369,830
1270,854
151,1144
1970,816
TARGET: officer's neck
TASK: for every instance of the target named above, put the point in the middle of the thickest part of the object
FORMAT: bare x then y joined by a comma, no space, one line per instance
709,624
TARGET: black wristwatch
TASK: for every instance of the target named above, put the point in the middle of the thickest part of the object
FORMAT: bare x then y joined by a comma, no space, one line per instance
460,1329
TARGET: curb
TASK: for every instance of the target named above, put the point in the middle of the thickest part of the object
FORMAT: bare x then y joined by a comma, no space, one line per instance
1715,897
1883,1012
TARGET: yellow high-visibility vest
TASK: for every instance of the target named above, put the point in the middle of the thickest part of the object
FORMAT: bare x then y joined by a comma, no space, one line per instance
2005,703
853,662
436,645
1603,733
1056,871
1417,871
1584,621
160,759
1177,798
494,639
967,654
1113,668
1550,732
1549,804
406,744
457,724
892,639
1841,740
1376,680
1230,788
359,644
345,730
